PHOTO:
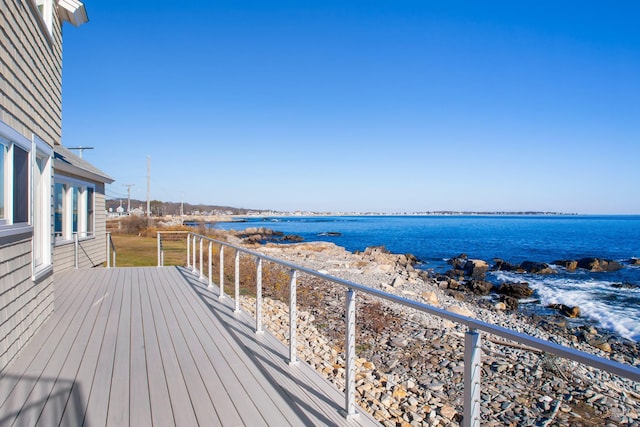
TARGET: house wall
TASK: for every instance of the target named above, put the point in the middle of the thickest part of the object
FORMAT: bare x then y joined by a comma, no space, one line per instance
30,102
30,72
24,305
92,251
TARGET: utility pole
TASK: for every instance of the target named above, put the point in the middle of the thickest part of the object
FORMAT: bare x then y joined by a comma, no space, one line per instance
128,196
148,185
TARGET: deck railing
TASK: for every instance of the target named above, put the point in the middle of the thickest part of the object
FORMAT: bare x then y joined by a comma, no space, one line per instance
472,341
111,251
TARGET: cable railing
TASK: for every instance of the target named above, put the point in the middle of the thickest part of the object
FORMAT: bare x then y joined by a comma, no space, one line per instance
472,338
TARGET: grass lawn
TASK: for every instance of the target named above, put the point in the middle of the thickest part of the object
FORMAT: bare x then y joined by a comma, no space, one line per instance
136,251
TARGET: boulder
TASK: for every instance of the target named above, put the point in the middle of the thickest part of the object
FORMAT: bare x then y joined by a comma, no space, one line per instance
502,265
510,302
634,261
565,310
537,267
476,268
479,287
458,262
461,311
515,290
569,264
625,285
598,264
430,298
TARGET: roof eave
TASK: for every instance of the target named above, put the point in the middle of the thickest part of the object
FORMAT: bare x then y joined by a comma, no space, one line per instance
73,12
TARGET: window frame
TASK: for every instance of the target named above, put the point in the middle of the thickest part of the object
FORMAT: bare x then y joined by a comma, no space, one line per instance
42,218
12,139
84,229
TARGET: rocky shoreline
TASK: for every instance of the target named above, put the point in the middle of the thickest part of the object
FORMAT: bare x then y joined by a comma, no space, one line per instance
411,364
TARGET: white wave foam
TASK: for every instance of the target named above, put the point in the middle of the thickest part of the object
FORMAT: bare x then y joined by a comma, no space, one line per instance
597,300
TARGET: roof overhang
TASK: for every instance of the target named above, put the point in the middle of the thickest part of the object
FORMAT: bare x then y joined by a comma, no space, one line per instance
72,11
66,162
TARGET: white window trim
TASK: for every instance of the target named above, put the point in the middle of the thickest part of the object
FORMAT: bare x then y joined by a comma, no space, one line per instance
67,214
41,150
11,138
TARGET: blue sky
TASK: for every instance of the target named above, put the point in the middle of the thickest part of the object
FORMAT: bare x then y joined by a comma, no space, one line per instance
361,105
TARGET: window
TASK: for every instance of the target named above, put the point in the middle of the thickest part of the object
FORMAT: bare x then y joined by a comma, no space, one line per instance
45,7
3,156
74,205
58,203
41,206
20,185
15,179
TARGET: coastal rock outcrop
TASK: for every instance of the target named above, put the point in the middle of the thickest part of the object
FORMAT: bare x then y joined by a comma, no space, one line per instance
516,290
476,268
569,264
479,287
566,310
537,267
599,265
634,261
502,265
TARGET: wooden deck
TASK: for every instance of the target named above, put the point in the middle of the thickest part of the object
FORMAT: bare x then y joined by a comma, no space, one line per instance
152,346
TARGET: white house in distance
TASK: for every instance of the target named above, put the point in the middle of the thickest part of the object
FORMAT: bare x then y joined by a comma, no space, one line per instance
47,194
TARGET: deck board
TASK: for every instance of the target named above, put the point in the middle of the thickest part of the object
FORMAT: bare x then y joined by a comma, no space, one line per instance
155,347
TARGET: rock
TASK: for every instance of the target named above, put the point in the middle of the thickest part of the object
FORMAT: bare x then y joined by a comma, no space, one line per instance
625,285
501,265
537,267
479,287
516,290
634,261
447,412
569,264
461,311
430,298
510,302
458,262
500,306
398,281
565,310
599,265
604,346
476,268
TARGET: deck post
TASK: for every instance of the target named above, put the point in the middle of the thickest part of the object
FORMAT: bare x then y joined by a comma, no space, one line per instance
221,272
159,256
472,369
350,347
188,249
75,249
259,296
210,286
201,266
108,249
193,254
237,282
293,318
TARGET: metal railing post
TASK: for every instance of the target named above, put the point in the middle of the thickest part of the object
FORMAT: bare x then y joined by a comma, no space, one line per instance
210,286
75,249
159,255
108,249
193,255
201,266
259,296
221,272
472,369
188,249
293,318
237,282
350,359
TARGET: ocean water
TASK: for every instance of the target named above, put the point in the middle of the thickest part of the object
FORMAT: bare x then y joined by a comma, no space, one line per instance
434,239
